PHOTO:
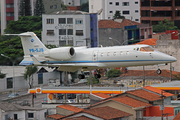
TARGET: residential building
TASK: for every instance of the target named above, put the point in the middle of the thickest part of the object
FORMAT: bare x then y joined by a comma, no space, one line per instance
14,79
100,113
72,28
9,10
10,111
107,8
122,31
153,11
97,97
52,5
74,2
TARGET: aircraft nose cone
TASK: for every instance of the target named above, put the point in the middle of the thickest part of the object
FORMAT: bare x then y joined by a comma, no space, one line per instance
173,59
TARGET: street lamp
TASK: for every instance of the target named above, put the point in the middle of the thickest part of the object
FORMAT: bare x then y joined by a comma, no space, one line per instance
13,68
110,38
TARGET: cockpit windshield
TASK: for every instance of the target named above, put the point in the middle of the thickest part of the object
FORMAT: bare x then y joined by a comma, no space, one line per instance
146,49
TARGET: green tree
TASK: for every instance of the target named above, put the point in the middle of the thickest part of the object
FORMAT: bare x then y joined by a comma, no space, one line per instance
25,8
2,75
63,7
11,47
113,73
118,15
39,8
164,25
95,80
28,75
85,7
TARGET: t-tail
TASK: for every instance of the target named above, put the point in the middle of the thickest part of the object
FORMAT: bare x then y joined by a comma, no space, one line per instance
31,46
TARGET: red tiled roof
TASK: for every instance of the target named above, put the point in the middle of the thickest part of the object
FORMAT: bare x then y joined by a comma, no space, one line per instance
131,101
164,73
177,117
114,24
102,95
70,108
144,94
158,91
106,112
55,116
79,118
150,41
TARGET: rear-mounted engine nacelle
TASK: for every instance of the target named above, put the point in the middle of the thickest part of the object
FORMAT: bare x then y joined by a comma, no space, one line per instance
62,53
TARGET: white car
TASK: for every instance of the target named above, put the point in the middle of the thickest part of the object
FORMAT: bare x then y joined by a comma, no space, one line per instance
12,95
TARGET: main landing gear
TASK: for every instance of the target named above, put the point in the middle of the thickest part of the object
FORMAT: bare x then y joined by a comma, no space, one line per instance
97,76
81,76
158,71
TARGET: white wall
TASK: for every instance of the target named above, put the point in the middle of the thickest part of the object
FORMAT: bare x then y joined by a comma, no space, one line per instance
95,5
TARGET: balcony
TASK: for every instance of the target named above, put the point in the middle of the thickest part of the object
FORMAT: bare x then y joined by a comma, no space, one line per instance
9,9
8,18
9,1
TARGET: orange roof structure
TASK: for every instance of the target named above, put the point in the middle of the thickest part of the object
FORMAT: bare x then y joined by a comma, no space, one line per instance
70,108
158,91
164,73
114,24
130,101
102,95
55,116
79,118
177,117
150,41
144,94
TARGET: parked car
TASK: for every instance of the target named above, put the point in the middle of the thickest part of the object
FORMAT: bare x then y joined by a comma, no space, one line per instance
12,95
45,100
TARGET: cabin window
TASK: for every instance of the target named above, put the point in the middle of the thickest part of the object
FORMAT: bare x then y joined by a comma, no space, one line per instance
114,54
108,54
101,54
127,52
146,49
121,53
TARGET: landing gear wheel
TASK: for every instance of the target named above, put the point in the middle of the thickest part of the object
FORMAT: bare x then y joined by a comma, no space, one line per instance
97,76
158,71
81,76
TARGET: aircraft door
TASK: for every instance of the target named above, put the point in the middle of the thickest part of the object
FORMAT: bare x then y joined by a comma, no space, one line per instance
95,55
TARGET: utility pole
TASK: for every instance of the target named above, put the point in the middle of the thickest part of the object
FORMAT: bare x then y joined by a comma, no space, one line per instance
143,77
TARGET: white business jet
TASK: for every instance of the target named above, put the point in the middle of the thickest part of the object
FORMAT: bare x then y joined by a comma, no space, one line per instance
72,59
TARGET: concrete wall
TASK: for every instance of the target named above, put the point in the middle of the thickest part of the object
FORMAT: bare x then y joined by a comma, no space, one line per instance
62,111
170,47
118,36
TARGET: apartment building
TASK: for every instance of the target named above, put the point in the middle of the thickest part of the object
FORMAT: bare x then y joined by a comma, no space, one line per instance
153,11
74,28
9,10
128,8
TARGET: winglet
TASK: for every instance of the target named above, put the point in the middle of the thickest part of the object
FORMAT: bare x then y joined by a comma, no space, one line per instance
35,61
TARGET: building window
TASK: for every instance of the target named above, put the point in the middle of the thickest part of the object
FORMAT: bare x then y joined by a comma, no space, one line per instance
40,78
62,20
51,7
70,31
30,115
136,2
125,12
50,21
9,83
110,11
125,4
117,3
9,14
79,32
69,21
136,19
136,11
62,31
91,6
55,6
15,117
79,21
50,32
110,3
9,5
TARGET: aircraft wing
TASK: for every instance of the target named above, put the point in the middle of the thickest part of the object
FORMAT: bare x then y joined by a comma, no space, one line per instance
70,67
